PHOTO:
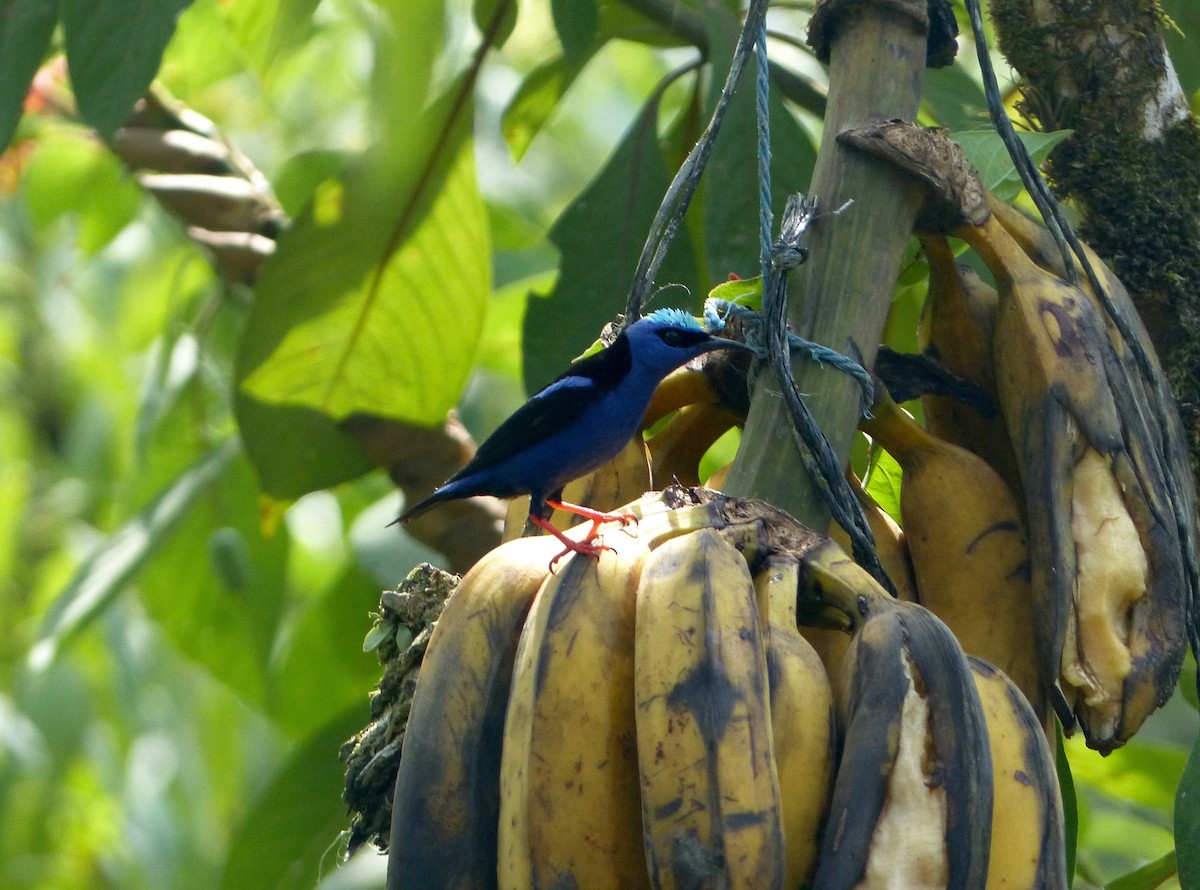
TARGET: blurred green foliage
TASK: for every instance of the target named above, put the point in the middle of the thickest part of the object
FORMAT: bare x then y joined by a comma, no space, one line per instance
186,577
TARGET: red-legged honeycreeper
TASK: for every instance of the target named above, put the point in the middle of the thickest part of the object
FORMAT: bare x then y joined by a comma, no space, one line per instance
580,421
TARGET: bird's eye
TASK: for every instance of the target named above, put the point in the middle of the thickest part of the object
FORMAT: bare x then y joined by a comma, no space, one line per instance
672,338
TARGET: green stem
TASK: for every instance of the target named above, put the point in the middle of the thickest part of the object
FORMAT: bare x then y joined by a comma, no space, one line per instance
841,296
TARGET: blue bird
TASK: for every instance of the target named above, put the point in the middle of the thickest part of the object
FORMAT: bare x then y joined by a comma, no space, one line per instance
578,422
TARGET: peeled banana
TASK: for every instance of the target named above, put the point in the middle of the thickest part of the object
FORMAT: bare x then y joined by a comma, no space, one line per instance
1108,563
912,800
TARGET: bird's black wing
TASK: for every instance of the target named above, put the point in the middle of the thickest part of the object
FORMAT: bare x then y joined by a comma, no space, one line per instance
559,404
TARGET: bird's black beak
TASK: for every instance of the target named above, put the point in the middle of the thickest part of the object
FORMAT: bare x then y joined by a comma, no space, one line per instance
723,343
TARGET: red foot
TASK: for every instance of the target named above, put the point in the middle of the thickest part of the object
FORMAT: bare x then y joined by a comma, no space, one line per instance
586,547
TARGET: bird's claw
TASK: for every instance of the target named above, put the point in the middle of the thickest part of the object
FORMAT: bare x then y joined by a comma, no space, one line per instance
586,548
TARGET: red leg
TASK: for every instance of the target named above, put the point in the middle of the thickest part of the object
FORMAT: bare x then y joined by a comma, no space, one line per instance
595,515
585,547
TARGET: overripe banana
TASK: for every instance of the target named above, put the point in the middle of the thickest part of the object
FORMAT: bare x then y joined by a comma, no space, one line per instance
803,722
968,546
710,793
446,807
1108,563
570,812
1028,847
912,800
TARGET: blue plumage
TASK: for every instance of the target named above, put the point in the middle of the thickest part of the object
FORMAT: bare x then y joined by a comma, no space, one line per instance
579,421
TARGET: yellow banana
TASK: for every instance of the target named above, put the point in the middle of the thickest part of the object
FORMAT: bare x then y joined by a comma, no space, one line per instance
570,813
677,448
710,793
803,722
957,325
1112,620
1028,847
912,800
968,546
446,806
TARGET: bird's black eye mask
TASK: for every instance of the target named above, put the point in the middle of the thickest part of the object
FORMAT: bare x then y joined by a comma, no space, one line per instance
676,338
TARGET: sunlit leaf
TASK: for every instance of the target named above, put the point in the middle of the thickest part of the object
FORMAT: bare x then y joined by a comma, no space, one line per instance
1066,785
127,550
25,29
988,155
884,481
113,50
600,237
485,11
535,100
1187,820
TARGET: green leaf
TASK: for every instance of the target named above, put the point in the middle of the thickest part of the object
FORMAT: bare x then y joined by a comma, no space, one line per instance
113,50
1066,785
1149,876
535,100
396,339
484,12
25,29
315,453
345,324
988,155
110,569
884,481
285,838
730,201
742,291
1187,820
217,586
600,236
265,29
953,98
576,22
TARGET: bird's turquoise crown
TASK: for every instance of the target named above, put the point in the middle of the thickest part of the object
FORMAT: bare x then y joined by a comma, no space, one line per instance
676,317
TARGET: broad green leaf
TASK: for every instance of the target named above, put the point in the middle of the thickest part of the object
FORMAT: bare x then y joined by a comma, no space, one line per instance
730,202
535,100
954,99
1187,820
297,450
25,29
302,174
409,37
576,22
113,51
396,339
284,841
745,292
1142,773
1187,681
217,586
126,552
70,172
988,155
600,236
1181,42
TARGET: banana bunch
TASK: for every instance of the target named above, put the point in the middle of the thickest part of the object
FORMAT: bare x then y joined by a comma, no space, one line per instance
654,718
1109,501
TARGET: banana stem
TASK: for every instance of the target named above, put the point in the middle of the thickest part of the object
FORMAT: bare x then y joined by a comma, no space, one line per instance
841,297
